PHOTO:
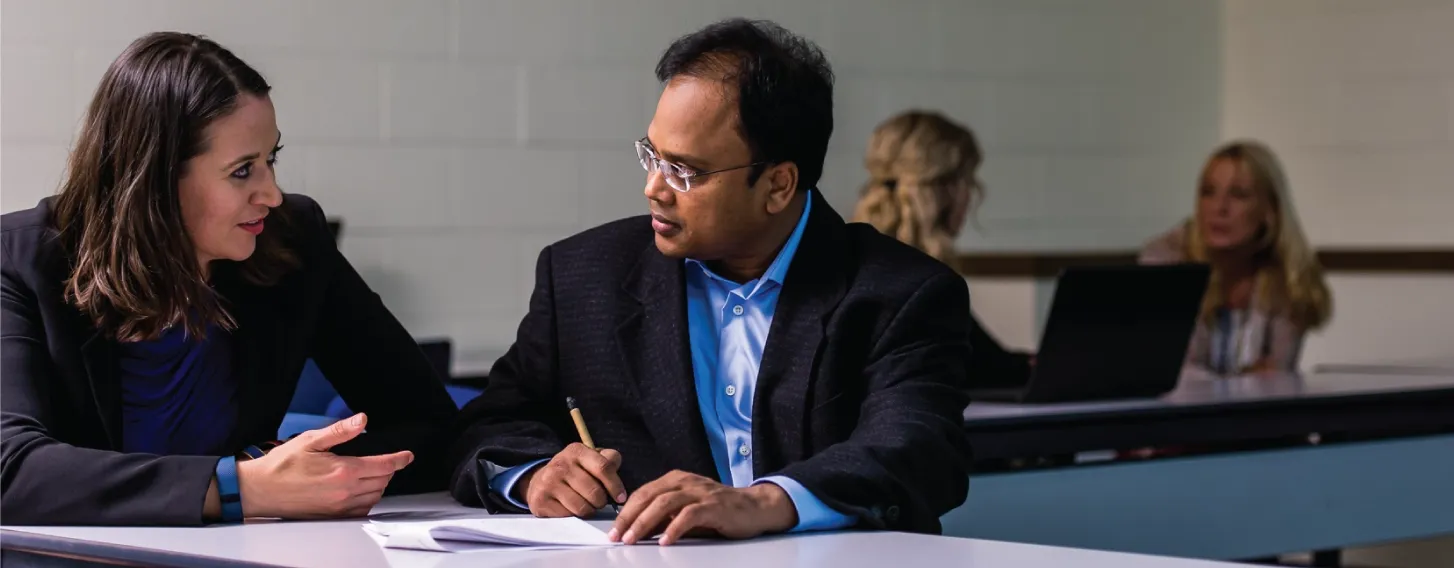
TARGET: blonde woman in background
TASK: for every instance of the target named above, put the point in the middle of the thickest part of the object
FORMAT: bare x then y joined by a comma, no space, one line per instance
921,188
1267,289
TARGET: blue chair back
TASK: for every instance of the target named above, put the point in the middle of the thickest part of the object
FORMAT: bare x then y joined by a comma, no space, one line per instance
313,393
317,404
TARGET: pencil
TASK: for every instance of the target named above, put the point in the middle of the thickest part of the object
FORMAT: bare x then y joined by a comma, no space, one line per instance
575,414
580,420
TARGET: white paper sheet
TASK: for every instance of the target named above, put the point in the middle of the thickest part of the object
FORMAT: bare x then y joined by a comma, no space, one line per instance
468,535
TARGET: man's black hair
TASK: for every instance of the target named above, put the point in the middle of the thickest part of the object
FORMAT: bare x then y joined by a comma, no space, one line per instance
784,89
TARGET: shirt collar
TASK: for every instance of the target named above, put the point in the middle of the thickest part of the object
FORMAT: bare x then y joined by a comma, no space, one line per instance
778,270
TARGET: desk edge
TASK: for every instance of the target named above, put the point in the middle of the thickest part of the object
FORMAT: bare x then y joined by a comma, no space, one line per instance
19,540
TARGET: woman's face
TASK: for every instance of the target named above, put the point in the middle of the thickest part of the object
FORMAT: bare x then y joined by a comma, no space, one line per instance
1230,212
227,190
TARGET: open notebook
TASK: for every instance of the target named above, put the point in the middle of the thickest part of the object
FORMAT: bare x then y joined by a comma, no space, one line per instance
460,535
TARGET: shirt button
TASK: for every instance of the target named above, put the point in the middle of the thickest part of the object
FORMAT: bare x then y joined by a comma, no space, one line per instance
744,450
736,310
731,390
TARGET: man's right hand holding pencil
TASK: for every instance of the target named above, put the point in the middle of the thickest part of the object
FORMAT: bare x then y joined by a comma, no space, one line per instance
578,481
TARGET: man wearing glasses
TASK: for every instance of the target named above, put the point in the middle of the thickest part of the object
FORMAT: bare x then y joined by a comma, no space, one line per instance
744,361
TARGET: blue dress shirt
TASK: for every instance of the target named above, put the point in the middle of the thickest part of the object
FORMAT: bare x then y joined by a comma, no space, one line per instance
728,325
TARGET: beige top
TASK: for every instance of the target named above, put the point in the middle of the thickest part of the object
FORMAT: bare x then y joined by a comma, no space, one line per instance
1255,338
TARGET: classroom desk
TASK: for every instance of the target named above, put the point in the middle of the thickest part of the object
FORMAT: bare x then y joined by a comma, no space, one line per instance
1415,367
1380,472
1392,483
343,544
1217,410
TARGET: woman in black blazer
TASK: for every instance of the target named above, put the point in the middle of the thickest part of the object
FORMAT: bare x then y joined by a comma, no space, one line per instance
157,314
921,187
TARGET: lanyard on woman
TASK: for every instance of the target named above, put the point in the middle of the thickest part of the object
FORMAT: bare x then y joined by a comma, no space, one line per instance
1233,334
1226,344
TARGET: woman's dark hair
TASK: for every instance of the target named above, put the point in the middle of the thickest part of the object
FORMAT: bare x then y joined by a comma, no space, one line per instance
784,88
135,272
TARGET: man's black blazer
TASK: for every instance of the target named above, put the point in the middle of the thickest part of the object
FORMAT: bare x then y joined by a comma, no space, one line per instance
60,404
859,396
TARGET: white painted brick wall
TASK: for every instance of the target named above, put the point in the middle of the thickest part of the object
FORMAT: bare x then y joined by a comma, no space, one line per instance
333,99
1358,99
458,137
453,101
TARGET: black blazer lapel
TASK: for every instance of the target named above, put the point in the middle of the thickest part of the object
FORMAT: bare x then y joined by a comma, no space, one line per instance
99,355
656,349
814,285
258,346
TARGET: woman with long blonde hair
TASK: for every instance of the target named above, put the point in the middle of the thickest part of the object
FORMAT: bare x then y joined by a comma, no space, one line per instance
922,181
922,185
1267,289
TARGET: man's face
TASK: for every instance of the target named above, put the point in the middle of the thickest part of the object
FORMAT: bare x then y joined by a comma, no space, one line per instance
721,216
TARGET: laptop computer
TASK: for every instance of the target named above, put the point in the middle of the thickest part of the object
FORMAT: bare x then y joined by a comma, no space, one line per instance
1114,332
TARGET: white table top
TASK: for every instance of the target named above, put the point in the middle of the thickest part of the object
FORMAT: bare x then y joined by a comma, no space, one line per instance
1434,366
325,544
1194,391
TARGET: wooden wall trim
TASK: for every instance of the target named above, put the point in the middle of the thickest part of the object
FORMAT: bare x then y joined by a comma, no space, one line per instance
1411,260
1035,265
1337,261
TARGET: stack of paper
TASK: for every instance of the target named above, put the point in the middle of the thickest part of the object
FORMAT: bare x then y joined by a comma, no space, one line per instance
461,535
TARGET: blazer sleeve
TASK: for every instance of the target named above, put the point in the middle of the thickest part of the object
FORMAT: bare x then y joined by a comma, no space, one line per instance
990,364
1284,343
378,368
44,481
907,463
513,421
1165,248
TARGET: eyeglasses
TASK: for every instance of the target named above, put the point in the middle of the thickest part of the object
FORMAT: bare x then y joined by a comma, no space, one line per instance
677,176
